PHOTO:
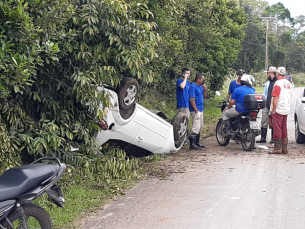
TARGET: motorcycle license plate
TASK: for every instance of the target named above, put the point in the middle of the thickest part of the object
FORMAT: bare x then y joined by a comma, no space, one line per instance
254,126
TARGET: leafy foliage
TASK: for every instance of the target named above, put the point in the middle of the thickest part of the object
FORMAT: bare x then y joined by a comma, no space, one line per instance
8,157
204,36
54,54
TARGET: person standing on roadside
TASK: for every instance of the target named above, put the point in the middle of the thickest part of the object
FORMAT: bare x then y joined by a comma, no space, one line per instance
280,107
271,73
198,91
182,92
235,83
289,78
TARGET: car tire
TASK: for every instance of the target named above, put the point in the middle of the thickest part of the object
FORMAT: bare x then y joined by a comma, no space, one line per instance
299,137
180,126
127,93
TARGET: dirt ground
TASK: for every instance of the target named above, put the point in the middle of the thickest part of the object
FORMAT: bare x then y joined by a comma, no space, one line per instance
179,162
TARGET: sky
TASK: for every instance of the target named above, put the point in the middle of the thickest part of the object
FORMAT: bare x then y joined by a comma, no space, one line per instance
296,7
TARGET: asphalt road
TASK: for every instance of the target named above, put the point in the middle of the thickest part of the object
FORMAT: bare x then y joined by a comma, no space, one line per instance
216,188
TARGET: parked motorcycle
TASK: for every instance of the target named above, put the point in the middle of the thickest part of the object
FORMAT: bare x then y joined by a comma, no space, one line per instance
19,186
244,127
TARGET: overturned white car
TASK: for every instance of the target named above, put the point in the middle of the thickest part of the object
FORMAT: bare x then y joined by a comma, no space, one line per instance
137,129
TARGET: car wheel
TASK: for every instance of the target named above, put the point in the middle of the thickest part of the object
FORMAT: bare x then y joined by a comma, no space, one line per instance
299,137
180,126
128,92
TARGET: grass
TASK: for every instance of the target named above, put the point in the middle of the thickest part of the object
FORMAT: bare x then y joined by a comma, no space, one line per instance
82,199
79,198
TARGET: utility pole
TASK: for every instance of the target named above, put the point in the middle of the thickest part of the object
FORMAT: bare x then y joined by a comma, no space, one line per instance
267,40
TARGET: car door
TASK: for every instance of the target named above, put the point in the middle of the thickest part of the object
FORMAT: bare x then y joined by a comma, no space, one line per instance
301,113
154,132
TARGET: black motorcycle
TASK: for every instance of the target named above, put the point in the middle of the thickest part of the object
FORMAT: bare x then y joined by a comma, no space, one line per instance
244,127
19,186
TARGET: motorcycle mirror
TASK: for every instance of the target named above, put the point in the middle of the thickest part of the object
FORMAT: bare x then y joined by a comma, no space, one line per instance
218,93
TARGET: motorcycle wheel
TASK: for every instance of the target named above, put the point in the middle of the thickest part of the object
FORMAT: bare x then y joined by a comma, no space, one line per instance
36,217
220,139
248,139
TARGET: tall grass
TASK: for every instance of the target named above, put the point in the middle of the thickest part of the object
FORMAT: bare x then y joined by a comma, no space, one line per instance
299,79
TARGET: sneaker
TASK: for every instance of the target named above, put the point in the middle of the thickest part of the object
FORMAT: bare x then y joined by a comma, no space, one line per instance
271,145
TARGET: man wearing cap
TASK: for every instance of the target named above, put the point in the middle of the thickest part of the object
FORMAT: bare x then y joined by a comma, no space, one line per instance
271,73
237,99
280,107
235,83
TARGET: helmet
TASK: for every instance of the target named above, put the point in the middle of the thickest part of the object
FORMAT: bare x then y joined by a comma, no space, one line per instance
240,72
247,79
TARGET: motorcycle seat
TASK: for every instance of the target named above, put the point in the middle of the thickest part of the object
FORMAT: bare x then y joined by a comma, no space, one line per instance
18,180
245,113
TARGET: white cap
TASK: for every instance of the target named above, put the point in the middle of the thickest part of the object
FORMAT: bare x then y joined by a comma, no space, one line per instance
281,71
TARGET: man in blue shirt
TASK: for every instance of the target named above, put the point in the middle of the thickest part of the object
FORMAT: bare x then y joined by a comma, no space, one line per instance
235,83
182,92
198,92
237,99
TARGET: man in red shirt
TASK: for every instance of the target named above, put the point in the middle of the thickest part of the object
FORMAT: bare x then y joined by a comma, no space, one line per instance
280,107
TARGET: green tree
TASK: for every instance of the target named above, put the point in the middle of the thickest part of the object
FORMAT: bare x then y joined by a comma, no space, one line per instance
204,36
54,54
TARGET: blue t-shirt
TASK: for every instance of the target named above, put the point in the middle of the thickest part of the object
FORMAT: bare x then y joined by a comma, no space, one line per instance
197,93
233,86
288,77
238,95
182,95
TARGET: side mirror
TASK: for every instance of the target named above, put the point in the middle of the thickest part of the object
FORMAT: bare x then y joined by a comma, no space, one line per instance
218,93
